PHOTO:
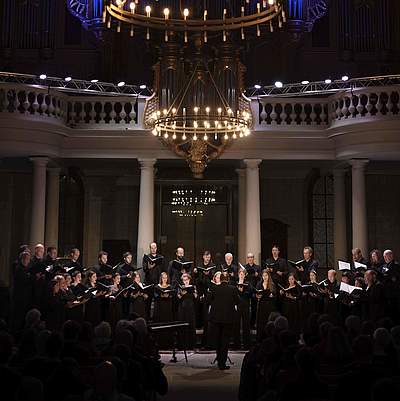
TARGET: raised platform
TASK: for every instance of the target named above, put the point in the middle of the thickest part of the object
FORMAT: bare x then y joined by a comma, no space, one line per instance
199,379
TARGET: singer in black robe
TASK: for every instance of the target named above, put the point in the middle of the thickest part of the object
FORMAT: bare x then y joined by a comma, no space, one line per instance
291,297
138,297
163,310
253,277
76,312
312,299
163,295
202,279
231,268
73,264
93,305
266,301
331,295
242,319
186,296
54,312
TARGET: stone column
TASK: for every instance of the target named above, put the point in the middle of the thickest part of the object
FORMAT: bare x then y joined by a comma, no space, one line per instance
38,211
91,226
253,223
146,208
359,205
339,235
52,206
241,172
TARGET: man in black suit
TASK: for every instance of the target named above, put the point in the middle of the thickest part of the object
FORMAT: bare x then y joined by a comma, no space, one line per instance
224,300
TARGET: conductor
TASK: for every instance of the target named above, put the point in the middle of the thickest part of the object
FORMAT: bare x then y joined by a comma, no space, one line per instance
223,300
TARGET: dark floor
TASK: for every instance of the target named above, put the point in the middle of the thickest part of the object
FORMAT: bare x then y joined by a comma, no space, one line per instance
199,380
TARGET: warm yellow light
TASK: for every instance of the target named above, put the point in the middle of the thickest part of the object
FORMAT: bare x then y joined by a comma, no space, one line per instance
205,137
132,6
166,12
174,110
196,109
226,136
219,110
271,2
195,137
165,112
166,135
195,124
186,12
148,10
229,111
234,136
184,137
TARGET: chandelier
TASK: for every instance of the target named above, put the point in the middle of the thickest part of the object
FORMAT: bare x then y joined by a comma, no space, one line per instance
209,18
204,114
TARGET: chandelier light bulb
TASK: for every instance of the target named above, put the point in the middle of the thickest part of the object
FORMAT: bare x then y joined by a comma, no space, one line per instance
166,135
219,110
165,112
154,132
148,10
195,124
226,137
184,137
196,109
195,137
241,135
174,136
186,12
207,109
132,6
271,2
205,137
234,136
158,113
166,12
174,110
229,111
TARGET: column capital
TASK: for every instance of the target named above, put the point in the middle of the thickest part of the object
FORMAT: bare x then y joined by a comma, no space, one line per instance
252,163
40,161
240,172
358,163
147,163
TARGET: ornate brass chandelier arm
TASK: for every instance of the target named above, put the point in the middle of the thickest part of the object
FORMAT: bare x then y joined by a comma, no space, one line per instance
199,25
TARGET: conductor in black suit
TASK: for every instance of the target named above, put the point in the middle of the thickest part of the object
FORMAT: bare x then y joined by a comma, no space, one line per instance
224,300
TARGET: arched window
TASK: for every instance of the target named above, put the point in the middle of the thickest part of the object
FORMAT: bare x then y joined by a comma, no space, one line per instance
322,221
